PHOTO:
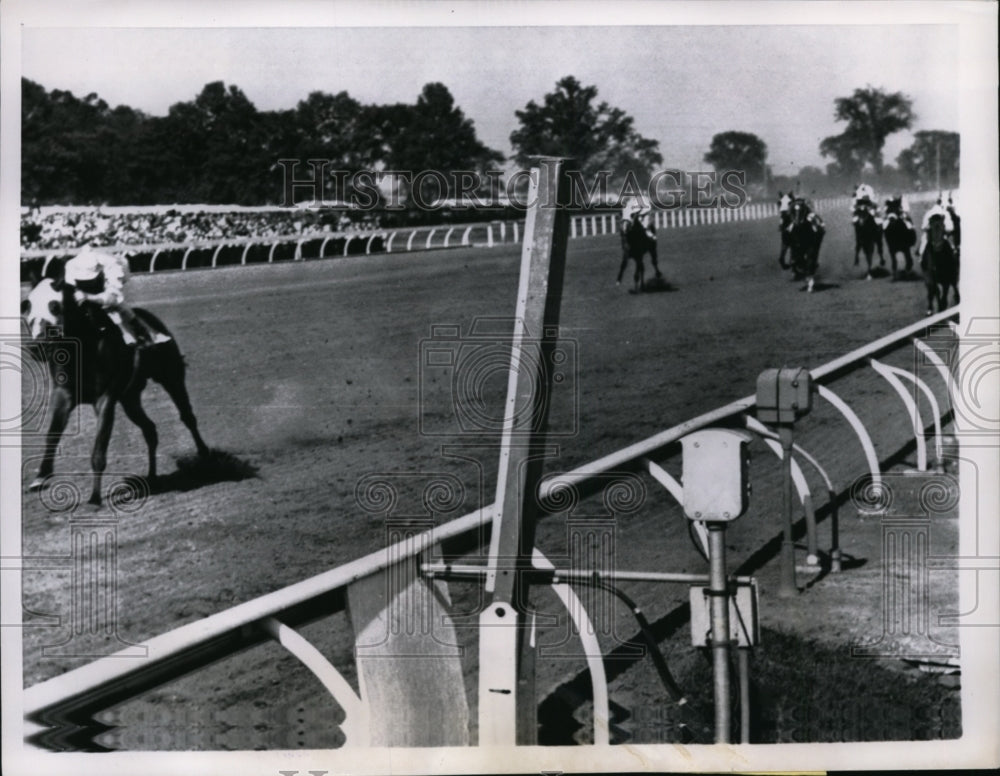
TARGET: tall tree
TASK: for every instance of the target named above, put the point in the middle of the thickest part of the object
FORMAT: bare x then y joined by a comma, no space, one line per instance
599,137
219,140
742,151
432,139
871,115
933,153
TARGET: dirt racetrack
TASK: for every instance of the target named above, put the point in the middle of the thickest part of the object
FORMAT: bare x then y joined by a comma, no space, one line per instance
314,373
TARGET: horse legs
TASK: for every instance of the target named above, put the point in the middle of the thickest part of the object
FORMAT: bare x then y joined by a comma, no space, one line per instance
943,299
909,260
652,258
640,275
105,409
932,292
62,406
621,269
132,404
878,244
175,388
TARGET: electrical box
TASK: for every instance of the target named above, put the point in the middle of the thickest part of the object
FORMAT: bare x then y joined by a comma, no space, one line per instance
744,625
783,395
716,475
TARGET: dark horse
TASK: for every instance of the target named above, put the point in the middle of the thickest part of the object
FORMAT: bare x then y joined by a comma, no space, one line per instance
867,237
785,213
90,363
900,236
940,265
804,240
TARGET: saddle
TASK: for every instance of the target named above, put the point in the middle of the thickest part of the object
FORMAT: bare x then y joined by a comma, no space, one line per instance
136,332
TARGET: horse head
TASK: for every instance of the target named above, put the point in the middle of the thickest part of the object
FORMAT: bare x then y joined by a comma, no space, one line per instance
800,211
936,231
44,309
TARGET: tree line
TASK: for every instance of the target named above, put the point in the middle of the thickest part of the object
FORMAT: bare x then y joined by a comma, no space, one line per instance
220,149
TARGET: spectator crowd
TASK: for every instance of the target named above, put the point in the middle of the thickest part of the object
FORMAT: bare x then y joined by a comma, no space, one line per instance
72,228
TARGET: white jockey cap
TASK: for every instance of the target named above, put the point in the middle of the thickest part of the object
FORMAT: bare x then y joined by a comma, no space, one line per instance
85,266
629,207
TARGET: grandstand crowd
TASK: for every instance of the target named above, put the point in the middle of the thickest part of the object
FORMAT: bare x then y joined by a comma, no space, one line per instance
72,228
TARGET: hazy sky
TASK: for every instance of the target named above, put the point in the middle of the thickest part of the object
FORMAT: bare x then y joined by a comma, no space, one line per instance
682,84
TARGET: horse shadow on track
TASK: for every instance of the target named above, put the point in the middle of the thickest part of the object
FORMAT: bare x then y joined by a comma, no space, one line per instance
656,286
197,471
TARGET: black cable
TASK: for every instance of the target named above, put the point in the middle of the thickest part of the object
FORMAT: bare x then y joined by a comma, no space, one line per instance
695,542
662,669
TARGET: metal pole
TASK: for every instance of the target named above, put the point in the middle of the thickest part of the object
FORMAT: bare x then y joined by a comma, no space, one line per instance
555,576
720,628
788,586
812,542
744,658
835,554
937,165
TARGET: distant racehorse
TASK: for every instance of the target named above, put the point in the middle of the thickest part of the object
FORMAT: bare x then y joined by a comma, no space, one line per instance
637,240
940,265
900,236
99,368
867,237
804,240
785,213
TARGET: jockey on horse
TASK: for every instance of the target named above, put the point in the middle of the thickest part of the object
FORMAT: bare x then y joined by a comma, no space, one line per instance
945,214
100,278
899,231
864,198
805,235
785,216
898,207
638,236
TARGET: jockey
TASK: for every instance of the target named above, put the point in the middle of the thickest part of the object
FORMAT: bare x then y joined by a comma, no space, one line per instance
898,207
949,225
864,197
100,278
812,217
784,202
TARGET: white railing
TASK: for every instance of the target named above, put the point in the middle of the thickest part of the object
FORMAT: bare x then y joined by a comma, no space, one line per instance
316,245
111,680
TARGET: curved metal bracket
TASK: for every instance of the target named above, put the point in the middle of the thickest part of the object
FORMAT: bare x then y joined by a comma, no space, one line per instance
591,650
668,481
938,364
356,722
892,375
798,479
859,428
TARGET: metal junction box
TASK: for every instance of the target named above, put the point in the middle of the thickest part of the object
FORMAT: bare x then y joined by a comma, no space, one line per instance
744,626
716,475
783,395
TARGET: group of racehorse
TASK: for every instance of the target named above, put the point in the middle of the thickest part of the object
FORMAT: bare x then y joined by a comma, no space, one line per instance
802,234
939,260
98,367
